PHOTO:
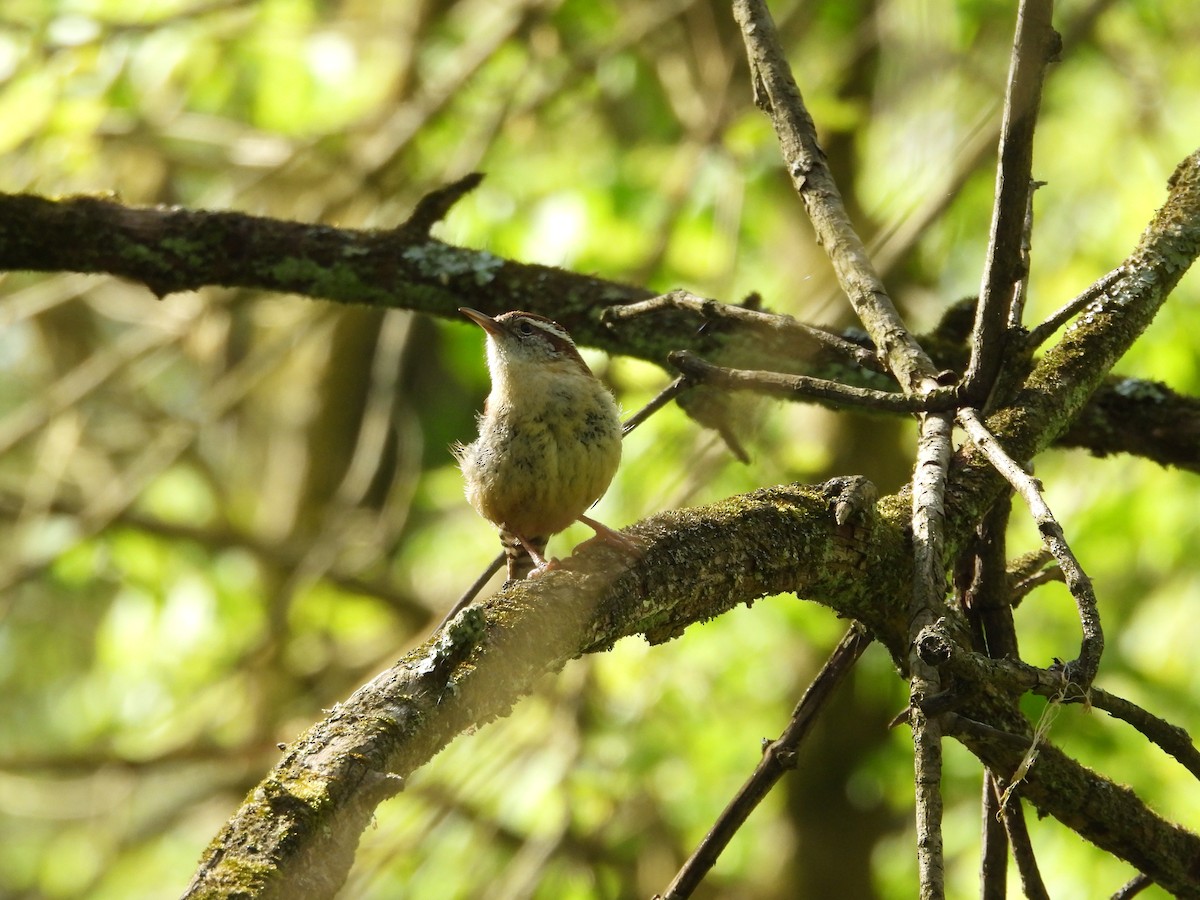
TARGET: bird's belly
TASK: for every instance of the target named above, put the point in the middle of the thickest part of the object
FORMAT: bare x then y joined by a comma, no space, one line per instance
535,480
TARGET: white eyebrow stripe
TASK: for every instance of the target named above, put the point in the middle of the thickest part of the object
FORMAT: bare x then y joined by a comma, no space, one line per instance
548,325
556,329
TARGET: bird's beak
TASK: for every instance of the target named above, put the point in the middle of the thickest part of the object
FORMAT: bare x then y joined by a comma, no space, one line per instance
484,321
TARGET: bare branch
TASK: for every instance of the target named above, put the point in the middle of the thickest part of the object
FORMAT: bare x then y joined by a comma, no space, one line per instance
170,249
938,648
1082,670
985,597
1144,418
1133,887
1012,814
1027,565
317,800
88,234
434,206
473,591
661,399
832,394
927,603
993,863
1034,46
776,93
1061,316
777,325
1023,588
988,597
1171,739
1066,376
1089,803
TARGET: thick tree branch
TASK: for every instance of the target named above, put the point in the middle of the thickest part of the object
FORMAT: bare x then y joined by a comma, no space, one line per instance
86,234
1142,418
1105,813
696,564
171,249
704,562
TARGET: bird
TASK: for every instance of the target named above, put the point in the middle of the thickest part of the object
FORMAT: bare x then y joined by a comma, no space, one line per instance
549,440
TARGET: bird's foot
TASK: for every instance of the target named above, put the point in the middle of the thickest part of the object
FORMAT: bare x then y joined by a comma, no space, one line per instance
541,565
546,565
626,543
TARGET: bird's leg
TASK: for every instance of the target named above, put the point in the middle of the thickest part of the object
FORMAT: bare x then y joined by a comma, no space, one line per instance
533,551
540,563
616,539
525,556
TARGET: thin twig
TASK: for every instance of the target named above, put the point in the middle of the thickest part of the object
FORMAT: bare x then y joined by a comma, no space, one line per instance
1026,586
752,320
661,399
993,862
1012,814
1016,309
1171,739
1059,317
957,725
1035,44
833,394
1082,670
1133,886
473,591
778,757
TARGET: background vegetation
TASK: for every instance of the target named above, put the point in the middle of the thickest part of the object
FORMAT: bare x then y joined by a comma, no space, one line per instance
223,511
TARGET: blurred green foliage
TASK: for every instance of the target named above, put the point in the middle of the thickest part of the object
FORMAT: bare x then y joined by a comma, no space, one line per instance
224,511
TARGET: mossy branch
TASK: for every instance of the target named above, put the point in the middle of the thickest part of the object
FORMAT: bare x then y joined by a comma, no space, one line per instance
171,250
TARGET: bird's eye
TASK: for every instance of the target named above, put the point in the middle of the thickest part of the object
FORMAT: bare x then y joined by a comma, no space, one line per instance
525,328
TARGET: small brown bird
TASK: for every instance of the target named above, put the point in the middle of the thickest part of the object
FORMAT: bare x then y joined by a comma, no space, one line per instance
549,439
